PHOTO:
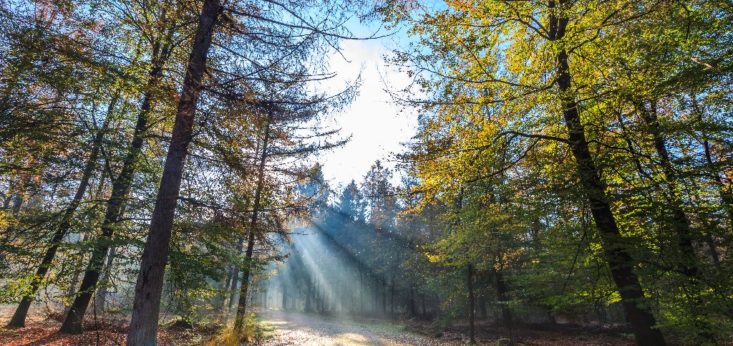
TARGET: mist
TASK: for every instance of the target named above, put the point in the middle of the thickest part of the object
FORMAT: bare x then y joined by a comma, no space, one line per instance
321,275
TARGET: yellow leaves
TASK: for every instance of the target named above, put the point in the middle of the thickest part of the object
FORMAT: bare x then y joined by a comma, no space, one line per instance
462,5
515,66
435,258
5,219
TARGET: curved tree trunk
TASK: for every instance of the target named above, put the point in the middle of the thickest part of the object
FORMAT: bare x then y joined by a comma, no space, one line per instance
149,286
618,257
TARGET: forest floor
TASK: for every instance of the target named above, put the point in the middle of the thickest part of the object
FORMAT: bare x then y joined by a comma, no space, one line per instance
305,329
279,329
312,330
41,328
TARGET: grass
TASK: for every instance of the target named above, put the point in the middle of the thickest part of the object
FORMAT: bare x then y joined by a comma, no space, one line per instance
253,331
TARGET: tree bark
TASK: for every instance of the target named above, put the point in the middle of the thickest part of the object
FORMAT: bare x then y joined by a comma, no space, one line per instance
471,304
618,257
18,319
149,286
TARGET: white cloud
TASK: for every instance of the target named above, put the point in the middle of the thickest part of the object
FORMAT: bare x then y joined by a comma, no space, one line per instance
377,126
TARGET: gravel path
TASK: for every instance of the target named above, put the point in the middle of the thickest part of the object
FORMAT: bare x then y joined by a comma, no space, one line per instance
301,329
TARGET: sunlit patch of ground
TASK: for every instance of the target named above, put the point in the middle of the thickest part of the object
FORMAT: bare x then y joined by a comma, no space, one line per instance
311,330
351,339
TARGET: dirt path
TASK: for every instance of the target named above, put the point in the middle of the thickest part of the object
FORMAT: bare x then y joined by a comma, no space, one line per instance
301,329
312,330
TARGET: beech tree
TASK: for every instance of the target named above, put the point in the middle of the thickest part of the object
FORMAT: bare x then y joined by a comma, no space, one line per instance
551,77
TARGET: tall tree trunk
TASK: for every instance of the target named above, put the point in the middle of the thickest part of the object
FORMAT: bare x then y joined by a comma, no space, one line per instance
233,287
225,287
361,291
384,296
308,294
247,269
18,319
483,307
235,274
391,297
264,299
149,286
680,222
618,257
422,305
471,304
502,297
100,301
116,202
8,197
284,303
412,305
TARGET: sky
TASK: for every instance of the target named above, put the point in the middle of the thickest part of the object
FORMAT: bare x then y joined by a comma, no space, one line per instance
378,127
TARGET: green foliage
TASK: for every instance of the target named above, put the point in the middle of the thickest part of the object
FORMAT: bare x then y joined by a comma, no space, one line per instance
492,152
491,182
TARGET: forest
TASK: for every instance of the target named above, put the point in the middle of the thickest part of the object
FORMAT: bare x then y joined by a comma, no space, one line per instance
568,180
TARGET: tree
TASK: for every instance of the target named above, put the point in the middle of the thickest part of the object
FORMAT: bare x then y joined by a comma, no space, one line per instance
144,323
303,37
76,69
161,45
351,203
505,74
379,195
